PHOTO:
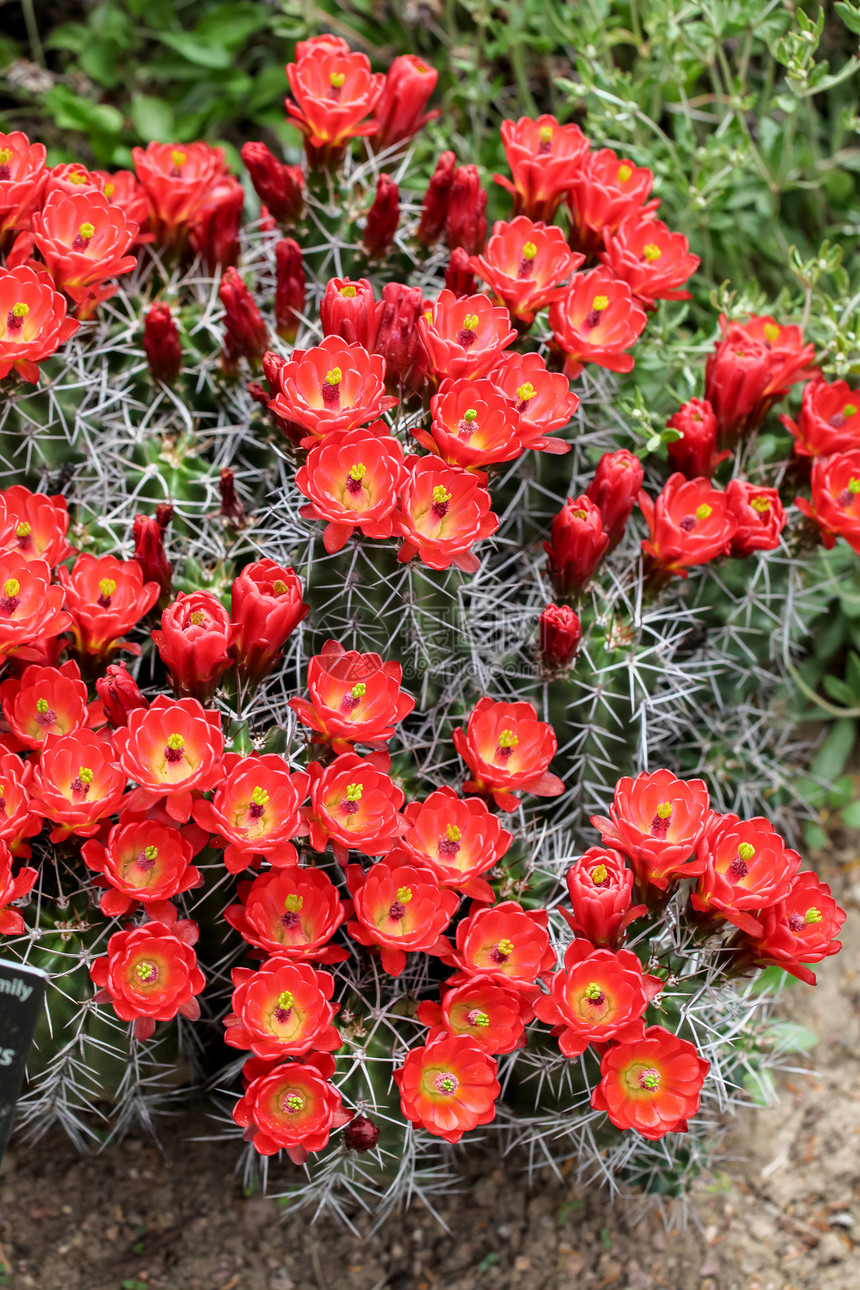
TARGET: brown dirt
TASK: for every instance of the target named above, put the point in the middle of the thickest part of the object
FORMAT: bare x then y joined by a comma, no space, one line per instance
784,1215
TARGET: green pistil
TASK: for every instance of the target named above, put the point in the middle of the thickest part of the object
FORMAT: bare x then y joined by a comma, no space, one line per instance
354,792
813,916
593,991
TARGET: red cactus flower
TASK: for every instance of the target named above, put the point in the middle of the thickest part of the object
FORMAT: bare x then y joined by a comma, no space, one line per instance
604,191
283,1009
507,750
168,749
30,608
492,1017
355,698
434,208
12,889
600,887
77,783
120,694
835,492
576,546
266,609
401,909
162,345
382,218
652,1084
474,425
121,188
72,178
444,512
18,820
348,310
465,221
148,533
179,179
46,701
559,634
695,453
614,490
746,866
524,264
448,1086
457,839
35,525
654,262
353,805
33,322
293,912
331,387
506,944
544,400
352,479
255,810
141,863
544,157
689,524
402,107
334,92
595,322
657,821
292,1107
150,974
759,517
83,241
290,286
800,929
195,644
464,337
397,338
22,180
279,187
599,995
106,598
754,364
829,419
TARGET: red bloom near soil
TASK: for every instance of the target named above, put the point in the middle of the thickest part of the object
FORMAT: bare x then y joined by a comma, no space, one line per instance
798,930
474,425
747,866
835,507
352,479
543,400
35,525
690,523
614,490
444,511
170,749
12,889
600,887
752,367
402,107
576,546
353,805
695,453
492,1017
465,336
829,419
22,180
332,387
657,820
292,1107
77,783
652,1084
605,190
544,157
524,264
141,863
458,839
106,598
195,644
33,322
267,607
596,321
506,944
30,607
150,974
759,516
400,909
46,701
293,912
283,1009
654,262
507,750
599,995
355,698
448,1086
255,811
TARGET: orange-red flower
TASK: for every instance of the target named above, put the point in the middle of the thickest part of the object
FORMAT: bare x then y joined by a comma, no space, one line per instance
596,321
402,107
543,400
352,479
448,1086
22,180
798,930
290,1107
141,863
746,866
35,525
503,943
695,453
759,517
474,425
266,609
255,810
18,820
84,241
355,698
77,783
507,750
170,748
753,365
30,607
12,889
122,189
46,701
657,821
492,1017
524,264
401,909
605,190
457,838
614,490
444,512
283,1009
652,1084
354,805
106,597
334,91
465,336
654,262
599,995
576,546
835,492
348,310
195,644
600,887
179,179
293,912
544,158
150,974
829,419
331,387
689,524
33,322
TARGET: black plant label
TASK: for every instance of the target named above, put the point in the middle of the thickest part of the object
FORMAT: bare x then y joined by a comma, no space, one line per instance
22,994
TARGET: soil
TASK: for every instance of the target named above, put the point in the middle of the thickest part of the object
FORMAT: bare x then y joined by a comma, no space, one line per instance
782,1214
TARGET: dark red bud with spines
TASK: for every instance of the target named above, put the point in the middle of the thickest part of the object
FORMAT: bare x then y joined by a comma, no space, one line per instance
245,332
162,345
120,694
278,186
465,220
382,218
290,288
150,554
458,276
434,209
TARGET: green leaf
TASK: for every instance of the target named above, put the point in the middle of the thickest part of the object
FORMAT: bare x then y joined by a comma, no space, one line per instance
152,118
850,15
791,1038
760,1087
850,816
832,757
215,57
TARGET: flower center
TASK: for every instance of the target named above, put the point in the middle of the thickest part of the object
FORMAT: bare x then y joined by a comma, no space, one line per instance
293,1103
16,315
146,859
10,599
348,292
283,1006
197,618
771,332
45,714
446,1083
651,252
85,232
525,392
82,781
258,803
474,1017
146,972
502,951
278,587
449,845
353,697
600,876
79,177
468,333
174,749
330,388
468,425
760,504
292,906
353,797
624,173
441,498
598,305
22,533
507,743
107,587
398,906
527,261
354,477
649,1079
545,145
5,168
594,994
661,820
335,80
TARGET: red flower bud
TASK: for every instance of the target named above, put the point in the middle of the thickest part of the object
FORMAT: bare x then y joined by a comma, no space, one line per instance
601,890
695,454
577,545
400,112
215,231
278,186
435,207
162,345
348,310
465,221
289,288
267,608
560,634
382,218
194,644
164,515
614,490
397,336
759,516
120,694
361,1134
150,554
458,276
232,511
245,333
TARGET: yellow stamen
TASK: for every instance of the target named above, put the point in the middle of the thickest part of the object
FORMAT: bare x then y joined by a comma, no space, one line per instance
260,797
506,947
771,332
278,587
545,133
177,157
507,739
334,377
664,811
760,504
86,231
624,173
354,792
358,471
348,292
470,322
593,990
110,189
651,252
854,485
11,587
526,392
529,251
198,618
107,587
454,834
703,511
404,895
175,742
20,310
599,303
580,515
441,494
85,775
23,530
79,177
5,156
598,874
